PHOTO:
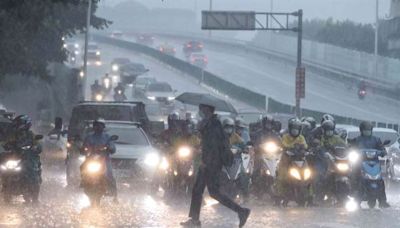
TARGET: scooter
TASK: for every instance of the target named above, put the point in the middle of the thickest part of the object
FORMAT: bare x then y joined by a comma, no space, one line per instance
338,180
264,176
119,96
236,179
299,178
19,176
182,170
361,94
93,173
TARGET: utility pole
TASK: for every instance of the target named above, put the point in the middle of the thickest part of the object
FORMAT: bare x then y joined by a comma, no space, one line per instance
89,13
376,37
300,73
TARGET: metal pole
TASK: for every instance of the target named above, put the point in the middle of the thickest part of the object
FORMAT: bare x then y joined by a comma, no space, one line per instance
209,31
299,49
376,37
89,13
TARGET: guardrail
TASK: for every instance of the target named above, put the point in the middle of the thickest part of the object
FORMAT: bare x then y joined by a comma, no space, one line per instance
383,85
228,88
209,79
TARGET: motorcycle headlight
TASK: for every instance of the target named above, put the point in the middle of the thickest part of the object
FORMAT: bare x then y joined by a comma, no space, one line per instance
184,152
270,147
171,98
307,174
98,63
93,167
76,45
107,83
115,67
81,74
65,45
152,159
99,97
11,164
76,52
97,52
151,98
343,167
164,165
69,145
354,156
190,172
82,158
295,173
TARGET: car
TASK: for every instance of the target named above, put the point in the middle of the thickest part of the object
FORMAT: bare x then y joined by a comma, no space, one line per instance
93,58
117,34
198,59
145,39
72,47
161,92
115,68
167,49
129,72
135,156
192,46
141,84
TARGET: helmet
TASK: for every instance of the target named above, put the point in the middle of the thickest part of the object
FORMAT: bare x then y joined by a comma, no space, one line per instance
99,121
229,125
366,128
328,117
228,122
311,120
328,127
22,122
277,126
239,122
294,127
174,116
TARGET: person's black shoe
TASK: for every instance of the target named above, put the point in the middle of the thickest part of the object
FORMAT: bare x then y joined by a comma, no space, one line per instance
384,205
191,223
243,216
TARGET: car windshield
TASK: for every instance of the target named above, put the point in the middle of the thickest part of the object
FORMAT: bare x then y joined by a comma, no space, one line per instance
121,61
197,55
251,117
383,135
128,135
160,87
143,81
84,113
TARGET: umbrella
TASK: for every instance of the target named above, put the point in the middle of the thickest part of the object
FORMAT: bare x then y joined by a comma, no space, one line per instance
206,99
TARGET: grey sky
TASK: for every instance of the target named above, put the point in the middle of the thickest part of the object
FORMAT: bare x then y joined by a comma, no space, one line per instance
356,10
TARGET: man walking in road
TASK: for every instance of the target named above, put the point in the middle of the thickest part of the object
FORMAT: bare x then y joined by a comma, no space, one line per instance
214,144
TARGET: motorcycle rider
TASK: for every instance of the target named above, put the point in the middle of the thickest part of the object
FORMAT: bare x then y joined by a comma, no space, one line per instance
328,142
100,139
269,132
169,135
367,140
234,138
309,124
242,129
96,88
119,87
290,140
119,92
106,82
19,135
316,134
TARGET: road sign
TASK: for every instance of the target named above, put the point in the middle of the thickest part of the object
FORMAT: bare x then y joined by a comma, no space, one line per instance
228,20
300,82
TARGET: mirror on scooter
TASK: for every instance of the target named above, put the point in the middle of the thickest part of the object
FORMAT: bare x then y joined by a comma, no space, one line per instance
114,138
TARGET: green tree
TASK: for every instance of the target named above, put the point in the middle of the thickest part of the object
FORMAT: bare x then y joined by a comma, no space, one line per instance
32,32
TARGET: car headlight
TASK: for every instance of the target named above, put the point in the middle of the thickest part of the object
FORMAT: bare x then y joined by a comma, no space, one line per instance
81,74
115,67
11,164
73,59
97,52
76,45
152,159
93,167
164,165
307,174
270,147
354,156
184,152
65,45
171,98
98,63
99,97
76,52
343,167
69,145
295,173
151,98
